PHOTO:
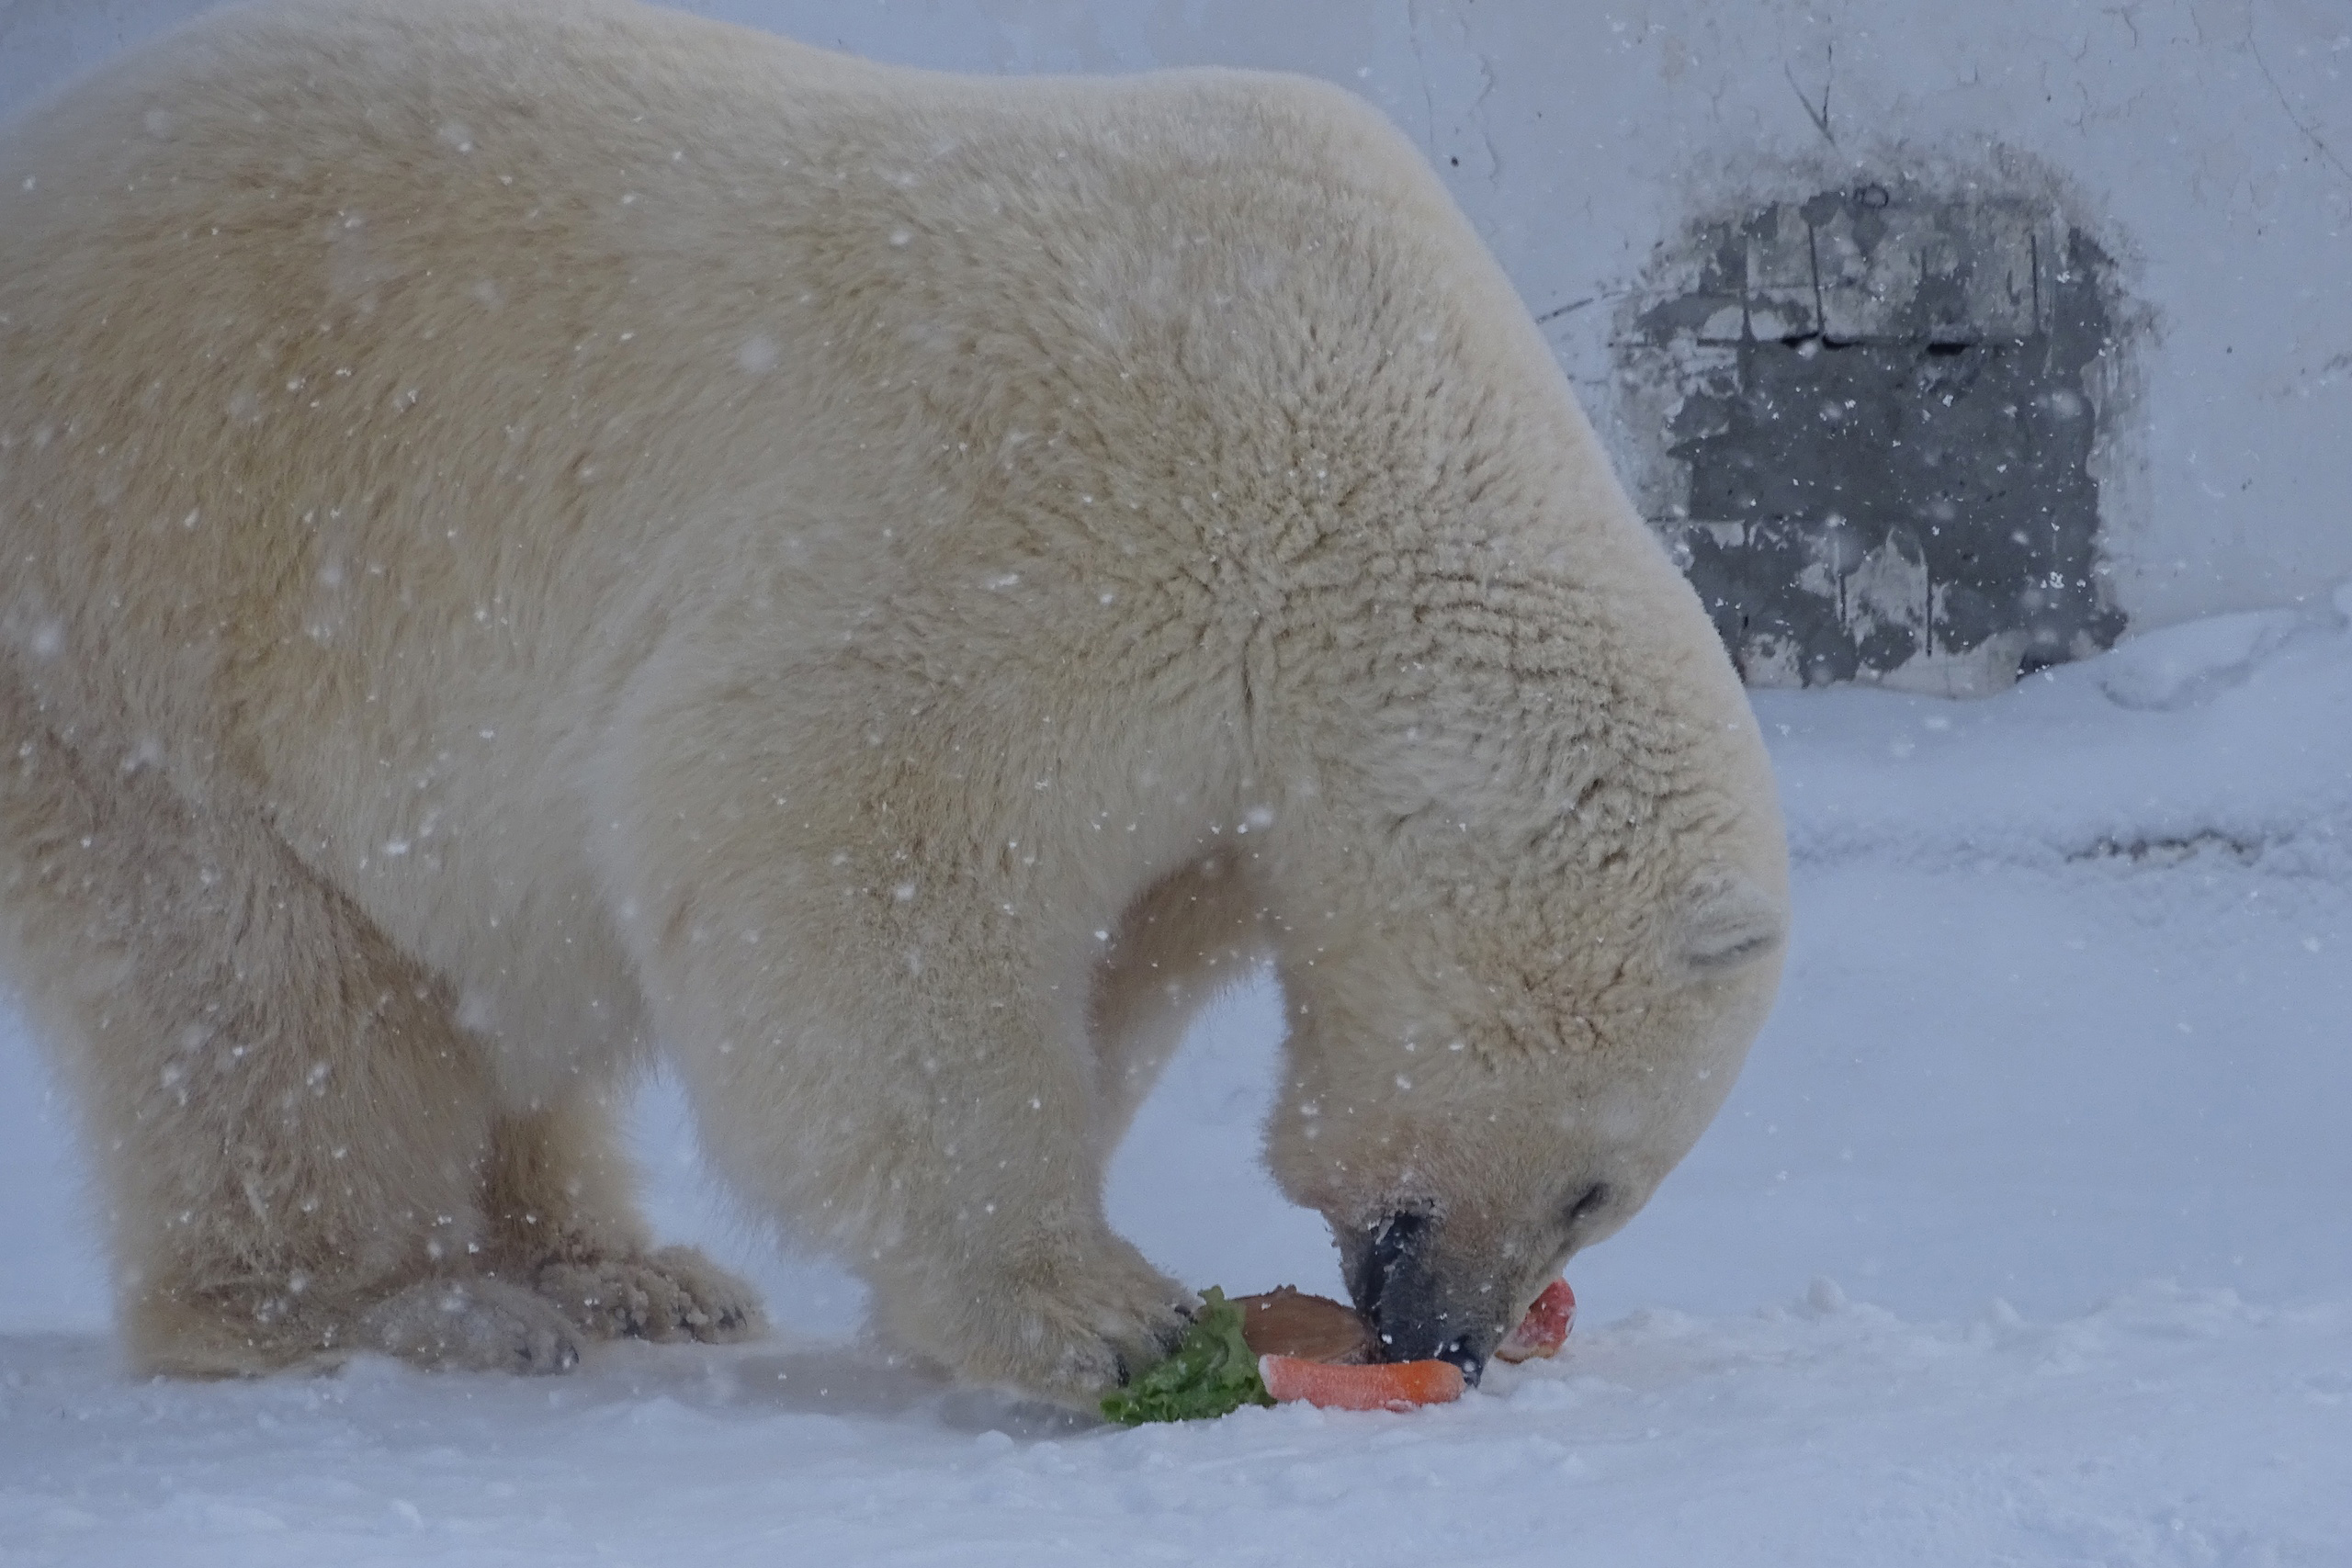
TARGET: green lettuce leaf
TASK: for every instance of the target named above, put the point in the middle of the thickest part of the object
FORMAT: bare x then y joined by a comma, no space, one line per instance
1210,1373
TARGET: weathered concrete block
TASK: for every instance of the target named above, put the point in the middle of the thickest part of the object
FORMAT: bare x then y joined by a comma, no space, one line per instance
1878,420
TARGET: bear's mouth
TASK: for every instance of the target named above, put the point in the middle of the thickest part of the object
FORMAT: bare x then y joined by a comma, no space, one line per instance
1398,1290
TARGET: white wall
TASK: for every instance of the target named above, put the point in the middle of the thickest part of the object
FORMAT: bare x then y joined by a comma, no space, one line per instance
2208,144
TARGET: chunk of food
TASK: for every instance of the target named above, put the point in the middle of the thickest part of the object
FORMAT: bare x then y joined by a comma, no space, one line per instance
1320,1351
1392,1385
1286,1345
1544,1328
1286,1320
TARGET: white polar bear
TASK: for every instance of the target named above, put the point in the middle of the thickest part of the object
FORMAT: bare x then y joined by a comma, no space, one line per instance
536,529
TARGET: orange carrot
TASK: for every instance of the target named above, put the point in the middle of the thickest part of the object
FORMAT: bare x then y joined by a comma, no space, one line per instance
1395,1385
1544,1328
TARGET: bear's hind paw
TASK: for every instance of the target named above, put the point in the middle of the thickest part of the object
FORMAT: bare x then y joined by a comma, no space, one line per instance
473,1325
672,1293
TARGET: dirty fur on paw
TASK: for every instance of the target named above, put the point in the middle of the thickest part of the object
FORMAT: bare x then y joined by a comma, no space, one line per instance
672,1293
472,1325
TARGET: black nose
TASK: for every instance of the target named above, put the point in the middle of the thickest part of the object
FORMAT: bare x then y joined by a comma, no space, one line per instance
1397,1288
1395,1255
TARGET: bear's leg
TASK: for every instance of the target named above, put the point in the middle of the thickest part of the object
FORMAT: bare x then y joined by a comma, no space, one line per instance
936,1136
288,1119
890,1056
1196,933
557,1194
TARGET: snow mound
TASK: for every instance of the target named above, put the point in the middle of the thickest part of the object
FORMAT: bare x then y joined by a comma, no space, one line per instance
2231,735
2186,666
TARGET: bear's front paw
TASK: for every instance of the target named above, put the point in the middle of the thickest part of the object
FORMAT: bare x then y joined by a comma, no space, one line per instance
479,1324
674,1294
1067,1327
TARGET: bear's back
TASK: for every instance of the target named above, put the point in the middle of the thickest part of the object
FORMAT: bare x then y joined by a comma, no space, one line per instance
288,293
373,374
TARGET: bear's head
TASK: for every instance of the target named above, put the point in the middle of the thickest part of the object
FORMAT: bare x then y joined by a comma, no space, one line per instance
1528,930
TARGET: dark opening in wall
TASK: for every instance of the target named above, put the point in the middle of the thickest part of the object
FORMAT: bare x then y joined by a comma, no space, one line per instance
1875,421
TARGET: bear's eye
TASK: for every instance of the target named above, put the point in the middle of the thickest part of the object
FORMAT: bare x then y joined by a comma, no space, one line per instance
1596,1196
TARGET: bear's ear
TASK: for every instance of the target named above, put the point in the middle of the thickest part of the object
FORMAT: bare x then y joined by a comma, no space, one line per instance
1727,923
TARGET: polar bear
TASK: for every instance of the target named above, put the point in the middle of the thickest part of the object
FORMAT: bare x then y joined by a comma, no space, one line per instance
542,531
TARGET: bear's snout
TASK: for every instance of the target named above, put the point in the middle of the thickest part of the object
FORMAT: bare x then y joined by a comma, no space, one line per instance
1402,1286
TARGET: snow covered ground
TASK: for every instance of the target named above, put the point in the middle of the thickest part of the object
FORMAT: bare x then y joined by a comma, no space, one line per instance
2025,1239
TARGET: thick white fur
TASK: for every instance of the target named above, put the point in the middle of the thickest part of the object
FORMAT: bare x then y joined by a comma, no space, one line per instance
534,527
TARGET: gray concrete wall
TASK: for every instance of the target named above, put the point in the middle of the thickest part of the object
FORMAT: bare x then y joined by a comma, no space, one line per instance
2203,147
